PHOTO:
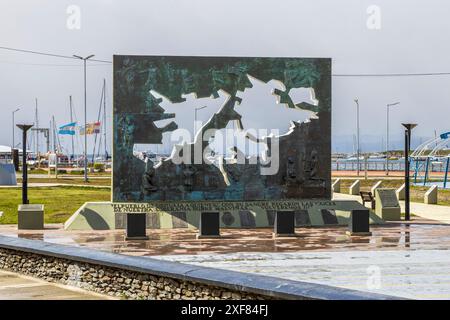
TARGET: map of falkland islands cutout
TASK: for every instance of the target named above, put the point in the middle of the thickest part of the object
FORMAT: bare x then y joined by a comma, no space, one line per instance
246,145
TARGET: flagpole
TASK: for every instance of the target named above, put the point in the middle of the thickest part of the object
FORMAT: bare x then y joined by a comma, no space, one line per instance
104,117
54,134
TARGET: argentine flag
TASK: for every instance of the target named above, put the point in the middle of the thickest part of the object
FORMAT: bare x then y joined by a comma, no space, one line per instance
68,129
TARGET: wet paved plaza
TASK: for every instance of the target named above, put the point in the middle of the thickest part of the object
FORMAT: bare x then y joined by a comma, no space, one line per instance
406,260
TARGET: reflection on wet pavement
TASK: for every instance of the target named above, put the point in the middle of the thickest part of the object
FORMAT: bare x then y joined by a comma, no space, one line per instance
416,274
421,235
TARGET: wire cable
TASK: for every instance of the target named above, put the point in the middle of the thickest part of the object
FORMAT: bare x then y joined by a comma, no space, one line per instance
52,64
49,54
334,75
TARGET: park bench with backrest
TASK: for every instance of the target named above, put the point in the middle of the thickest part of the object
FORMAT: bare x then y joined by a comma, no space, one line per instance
366,196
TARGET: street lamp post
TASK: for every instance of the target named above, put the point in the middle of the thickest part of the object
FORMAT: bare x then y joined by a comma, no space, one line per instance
24,128
13,127
408,128
357,136
85,115
387,134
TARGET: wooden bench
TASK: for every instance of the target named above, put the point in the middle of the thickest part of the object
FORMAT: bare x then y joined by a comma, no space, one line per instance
367,197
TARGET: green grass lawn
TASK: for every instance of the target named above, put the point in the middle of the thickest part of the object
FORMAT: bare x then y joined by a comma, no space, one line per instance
75,172
59,202
69,180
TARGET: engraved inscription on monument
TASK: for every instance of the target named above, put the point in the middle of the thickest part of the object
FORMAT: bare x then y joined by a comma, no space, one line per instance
386,204
388,198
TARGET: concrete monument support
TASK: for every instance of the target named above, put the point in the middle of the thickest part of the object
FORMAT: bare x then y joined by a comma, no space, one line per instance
30,217
337,186
387,205
376,186
401,192
431,196
355,187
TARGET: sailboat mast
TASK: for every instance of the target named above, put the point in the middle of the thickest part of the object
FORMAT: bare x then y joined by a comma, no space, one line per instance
54,133
71,121
104,117
51,136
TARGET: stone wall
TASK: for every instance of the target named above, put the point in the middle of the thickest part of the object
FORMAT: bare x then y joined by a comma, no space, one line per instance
114,282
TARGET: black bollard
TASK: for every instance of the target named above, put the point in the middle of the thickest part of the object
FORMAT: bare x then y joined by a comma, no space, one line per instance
359,223
284,225
209,226
136,226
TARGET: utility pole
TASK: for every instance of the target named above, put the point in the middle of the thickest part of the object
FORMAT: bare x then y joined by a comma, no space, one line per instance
357,136
85,115
387,134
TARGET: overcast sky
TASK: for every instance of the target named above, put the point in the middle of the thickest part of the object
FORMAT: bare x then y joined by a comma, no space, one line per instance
412,38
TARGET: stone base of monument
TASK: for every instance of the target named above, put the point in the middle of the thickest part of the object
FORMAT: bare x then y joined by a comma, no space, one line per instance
400,192
136,227
209,225
431,196
95,216
251,214
387,205
284,225
354,188
30,217
359,223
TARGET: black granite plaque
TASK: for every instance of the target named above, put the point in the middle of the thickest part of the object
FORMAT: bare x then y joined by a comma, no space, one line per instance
284,223
359,222
136,226
388,198
209,224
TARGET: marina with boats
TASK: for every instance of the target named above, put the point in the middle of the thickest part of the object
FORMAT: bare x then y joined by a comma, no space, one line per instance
59,145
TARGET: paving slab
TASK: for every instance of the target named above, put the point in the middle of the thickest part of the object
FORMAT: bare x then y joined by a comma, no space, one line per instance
14,286
423,274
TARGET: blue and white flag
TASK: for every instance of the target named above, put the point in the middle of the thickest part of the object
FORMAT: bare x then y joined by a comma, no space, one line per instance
68,129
